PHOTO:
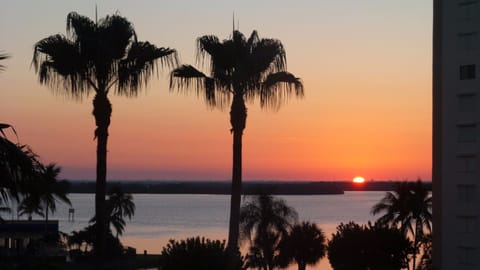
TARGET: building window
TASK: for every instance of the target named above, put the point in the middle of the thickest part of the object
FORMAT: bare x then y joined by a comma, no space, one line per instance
467,102
467,133
467,255
466,192
466,163
468,41
467,72
468,10
467,224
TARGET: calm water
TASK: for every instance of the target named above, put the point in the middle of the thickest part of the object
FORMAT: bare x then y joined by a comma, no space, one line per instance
160,217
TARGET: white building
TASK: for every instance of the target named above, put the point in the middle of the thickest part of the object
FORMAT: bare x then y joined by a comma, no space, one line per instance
456,134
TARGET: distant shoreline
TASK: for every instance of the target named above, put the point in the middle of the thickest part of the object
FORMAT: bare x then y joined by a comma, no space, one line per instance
249,187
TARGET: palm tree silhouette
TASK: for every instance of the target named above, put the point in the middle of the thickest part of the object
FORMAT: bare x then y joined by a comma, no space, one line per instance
245,69
30,205
264,220
409,207
304,244
18,165
98,56
43,192
119,206
52,189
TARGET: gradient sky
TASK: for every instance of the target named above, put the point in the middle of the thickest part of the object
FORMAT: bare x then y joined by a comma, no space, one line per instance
366,68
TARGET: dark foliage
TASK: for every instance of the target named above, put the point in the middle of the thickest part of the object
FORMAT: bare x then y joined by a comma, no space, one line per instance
119,205
264,220
426,261
18,165
196,253
408,207
304,244
368,247
86,239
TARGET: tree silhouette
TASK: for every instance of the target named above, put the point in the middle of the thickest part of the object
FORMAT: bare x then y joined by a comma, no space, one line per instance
264,220
119,205
98,56
242,69
368,247
304,244
44,191
52,189
30,205
196,253
409,207
18,165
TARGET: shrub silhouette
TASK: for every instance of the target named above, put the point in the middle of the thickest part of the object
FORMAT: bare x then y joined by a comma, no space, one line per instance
196,253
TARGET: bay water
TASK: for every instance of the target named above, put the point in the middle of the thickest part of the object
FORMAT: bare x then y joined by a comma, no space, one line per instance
160,217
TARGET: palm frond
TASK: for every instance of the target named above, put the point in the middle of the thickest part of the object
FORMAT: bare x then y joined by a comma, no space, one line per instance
79,27
3,56
115,34
60,66
267,56
278,87
6,126
207,45
253,39
140,64
187,77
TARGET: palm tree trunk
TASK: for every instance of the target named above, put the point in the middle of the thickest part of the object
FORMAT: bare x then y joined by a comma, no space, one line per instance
46,217
238,116
102,110
302,266
415,243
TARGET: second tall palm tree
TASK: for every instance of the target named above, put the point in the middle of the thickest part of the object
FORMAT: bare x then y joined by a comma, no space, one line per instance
97,56
241,70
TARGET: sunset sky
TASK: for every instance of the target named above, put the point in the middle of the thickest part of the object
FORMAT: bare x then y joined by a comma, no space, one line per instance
365,65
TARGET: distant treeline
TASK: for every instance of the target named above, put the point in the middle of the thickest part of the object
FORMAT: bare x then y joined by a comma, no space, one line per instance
252,187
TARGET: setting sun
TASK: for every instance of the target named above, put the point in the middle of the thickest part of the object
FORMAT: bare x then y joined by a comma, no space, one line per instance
358,179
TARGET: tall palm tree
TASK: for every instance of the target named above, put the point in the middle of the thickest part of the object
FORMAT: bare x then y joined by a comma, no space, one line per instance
304,244
98,56
241,69
264,220
408,207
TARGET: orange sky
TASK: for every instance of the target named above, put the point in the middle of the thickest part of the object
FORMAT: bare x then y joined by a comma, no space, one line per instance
366,67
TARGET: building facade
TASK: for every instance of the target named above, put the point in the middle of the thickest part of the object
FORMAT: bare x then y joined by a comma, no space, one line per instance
456,134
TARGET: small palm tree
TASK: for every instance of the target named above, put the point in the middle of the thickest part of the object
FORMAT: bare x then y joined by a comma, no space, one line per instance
119,206
241,69
43,192
305,244
98,56
29,206
409,207
52,189
264,220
